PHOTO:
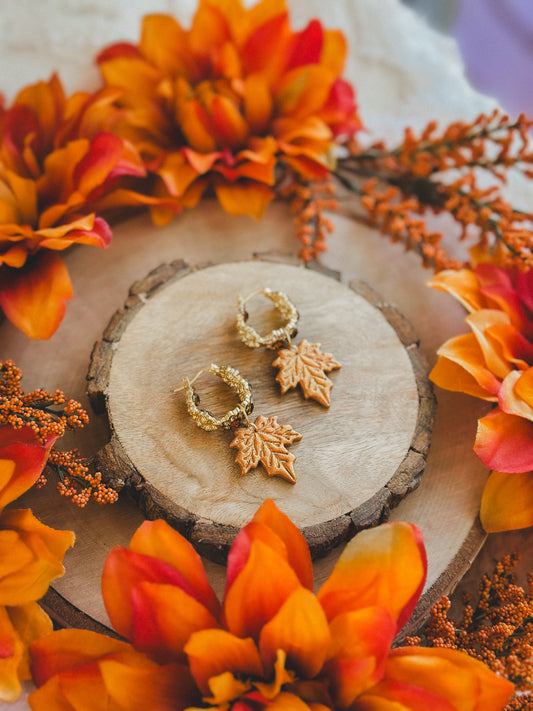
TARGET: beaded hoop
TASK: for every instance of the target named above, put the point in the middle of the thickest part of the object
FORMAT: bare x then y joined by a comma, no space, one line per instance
277,337
233,418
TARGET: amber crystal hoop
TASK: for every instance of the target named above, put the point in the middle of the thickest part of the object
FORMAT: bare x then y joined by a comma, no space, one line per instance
276,337
233,418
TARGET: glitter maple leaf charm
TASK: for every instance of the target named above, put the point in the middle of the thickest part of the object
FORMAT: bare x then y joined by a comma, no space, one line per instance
265,442
306,366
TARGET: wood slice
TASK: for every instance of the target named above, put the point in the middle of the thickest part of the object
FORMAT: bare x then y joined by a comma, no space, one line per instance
357,459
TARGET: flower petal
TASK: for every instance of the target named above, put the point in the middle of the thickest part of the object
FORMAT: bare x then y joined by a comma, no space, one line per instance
465,682
22,459
505,442
481,322
161,40
464,352
165,688
164,617
258,591
212,652
67,649
299,628
124,571
285,701
396,696
307,45
296,548
158,539
31,555
105,159
11,655
509,399
384,566
244,197
524,386
507,502
462,284
34,297
360,644
31,623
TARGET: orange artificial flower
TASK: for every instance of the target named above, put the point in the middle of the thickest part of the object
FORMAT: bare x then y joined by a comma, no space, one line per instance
30,557
271,643
227,102
495,363
56,171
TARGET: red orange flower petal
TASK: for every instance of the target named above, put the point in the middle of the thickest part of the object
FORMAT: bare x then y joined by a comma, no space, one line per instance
30,622
299,628
259,590
464,352
462,284
22,459
360,644
164,617
11,655
68,649
244,197
34,297
157,539
78,669
505,442
396,696
384,566
31,556
124,572
295,546
507,502
468,684
212,652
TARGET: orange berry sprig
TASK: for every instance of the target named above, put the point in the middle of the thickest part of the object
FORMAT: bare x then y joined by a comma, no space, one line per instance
492,142
498,630
310,201
43,412
49,414
75,481
415,179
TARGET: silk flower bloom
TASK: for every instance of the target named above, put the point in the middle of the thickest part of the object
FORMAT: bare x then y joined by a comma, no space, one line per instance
224,104
58,168
495,363
30,557
272,643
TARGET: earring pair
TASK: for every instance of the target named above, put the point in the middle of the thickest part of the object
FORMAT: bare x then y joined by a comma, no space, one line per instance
265,440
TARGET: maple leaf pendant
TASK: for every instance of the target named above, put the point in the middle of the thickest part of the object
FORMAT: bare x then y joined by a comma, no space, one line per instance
306,366
265,442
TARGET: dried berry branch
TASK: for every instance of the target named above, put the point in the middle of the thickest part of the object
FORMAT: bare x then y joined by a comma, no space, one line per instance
439,173
48,415
498,630
310,201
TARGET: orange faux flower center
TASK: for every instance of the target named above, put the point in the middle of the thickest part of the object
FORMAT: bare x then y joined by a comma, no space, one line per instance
250,693
210,114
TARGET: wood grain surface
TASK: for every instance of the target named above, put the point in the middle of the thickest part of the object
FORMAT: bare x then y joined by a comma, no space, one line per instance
357,459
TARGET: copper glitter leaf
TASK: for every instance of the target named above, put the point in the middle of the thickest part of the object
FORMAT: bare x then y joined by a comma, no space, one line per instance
265,442
306,367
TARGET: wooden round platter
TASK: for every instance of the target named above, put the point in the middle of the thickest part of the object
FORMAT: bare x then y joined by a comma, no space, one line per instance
357,458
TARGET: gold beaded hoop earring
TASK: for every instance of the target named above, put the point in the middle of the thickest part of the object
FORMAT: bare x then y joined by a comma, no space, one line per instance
261,442
305,365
